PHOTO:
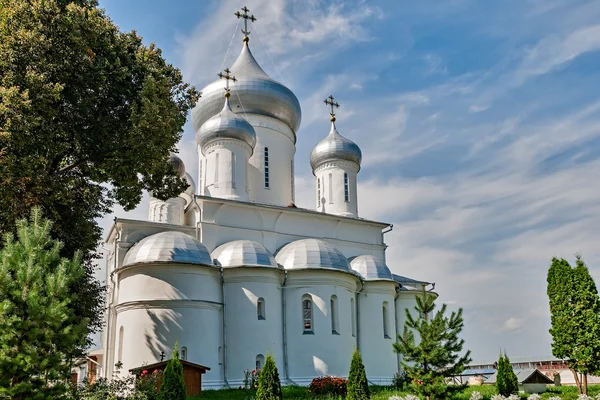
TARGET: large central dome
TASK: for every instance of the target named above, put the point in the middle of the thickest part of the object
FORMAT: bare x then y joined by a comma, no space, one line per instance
259,94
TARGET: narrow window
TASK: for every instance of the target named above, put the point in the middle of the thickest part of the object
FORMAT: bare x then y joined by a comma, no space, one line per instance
260,308
266,167
307,315
260,361
121,334
232,170
330,189
292,180
183,353
216,182
346,194
220,355
386,333
318,192
334,315
353,317
200,176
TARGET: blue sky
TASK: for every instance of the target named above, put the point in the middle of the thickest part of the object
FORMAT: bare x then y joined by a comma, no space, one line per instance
479,123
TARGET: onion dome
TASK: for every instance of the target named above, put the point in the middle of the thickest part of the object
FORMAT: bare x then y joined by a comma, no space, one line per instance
168,247
370,268
243,253
177,164
311,253
335,147
225,125
257,92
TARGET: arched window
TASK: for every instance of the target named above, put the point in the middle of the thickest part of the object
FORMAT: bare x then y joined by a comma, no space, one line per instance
318,192
386,332
266,167
260,308
216,182
334,315
121,334
307,315
232,170
183,353
330,189
353,317
346,191
260,361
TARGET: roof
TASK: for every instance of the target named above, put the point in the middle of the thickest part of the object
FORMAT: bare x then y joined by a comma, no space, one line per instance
161,364
525,375
168,246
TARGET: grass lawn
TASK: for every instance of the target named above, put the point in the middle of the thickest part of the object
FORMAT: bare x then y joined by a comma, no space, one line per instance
384,393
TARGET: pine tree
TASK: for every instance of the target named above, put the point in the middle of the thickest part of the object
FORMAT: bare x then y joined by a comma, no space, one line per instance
436,356
507,382
39,329
173,385
358,387
269,386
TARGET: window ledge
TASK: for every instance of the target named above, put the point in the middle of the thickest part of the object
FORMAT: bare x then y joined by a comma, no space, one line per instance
335,333
261,318
308,333
386,337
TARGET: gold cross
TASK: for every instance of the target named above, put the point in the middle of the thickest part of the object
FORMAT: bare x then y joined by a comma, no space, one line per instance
246,17
228,77
329,101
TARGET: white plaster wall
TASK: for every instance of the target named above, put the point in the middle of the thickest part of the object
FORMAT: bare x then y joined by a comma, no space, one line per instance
247,336
169,211
279,138
332,188
321,353
231,179
405,300
378,356
201,181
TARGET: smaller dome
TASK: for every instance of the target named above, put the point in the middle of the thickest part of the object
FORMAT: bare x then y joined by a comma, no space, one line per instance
311,253
243,253
169,246
335,147
370,268
177,164
226,125
191,190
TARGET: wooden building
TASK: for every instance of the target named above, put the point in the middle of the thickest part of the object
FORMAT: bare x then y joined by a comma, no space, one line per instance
192,374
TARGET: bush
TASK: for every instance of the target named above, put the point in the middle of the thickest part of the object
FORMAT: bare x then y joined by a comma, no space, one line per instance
358,387
269,386
173,386
328,385
400,380
251,379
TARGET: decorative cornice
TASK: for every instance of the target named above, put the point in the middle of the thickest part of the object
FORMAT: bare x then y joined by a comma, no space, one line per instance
223,142
343,164
262,121
167,303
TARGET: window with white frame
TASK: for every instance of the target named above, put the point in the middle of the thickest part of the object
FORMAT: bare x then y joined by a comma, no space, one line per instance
260,308
183,353
386,332
266,161
260,361
307,315
346,191
334,315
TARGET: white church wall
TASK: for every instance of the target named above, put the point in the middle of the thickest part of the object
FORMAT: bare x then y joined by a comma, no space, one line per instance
378,330
405,300
226,169
249,336
336,188
322,352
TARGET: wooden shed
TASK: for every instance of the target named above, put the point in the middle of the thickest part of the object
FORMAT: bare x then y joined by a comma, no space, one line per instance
192,374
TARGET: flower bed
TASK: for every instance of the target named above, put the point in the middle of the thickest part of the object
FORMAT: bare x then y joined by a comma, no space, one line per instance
328,385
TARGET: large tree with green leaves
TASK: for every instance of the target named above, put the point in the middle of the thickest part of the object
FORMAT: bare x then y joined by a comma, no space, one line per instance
575,318
88,116
40,331
430,347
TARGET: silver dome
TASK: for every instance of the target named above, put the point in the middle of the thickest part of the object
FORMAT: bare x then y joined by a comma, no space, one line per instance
226,125
243,253
258,93
335,147
177,164
191,190
370,268
170,246
311,253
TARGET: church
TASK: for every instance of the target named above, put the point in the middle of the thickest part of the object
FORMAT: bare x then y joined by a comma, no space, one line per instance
232,270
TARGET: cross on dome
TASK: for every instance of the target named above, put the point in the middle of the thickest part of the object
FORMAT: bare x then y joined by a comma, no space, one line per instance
329,101
228,77
246,17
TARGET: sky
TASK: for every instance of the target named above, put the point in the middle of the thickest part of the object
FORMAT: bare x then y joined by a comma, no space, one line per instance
479,123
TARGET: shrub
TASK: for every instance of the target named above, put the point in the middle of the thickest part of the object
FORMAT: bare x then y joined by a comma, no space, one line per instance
269,386
251,378
400,380
173,386
358,387
328,385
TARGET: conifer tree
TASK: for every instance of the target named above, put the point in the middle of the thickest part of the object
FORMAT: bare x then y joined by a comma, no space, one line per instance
358,387
173,385
507,382
39,328
269,386
437,355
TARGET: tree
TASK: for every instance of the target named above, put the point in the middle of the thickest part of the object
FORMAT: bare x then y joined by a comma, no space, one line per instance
269,386
88,116
358,387
173,385
575,318
40,330
507,382
436,356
